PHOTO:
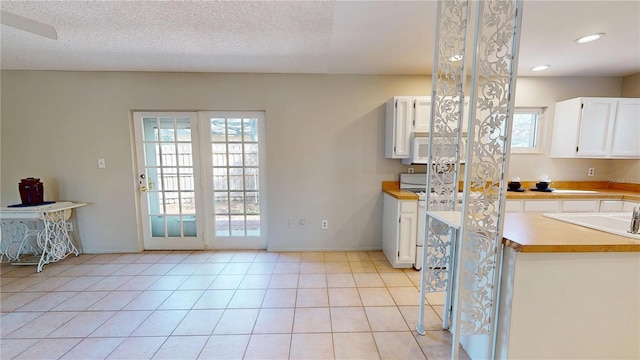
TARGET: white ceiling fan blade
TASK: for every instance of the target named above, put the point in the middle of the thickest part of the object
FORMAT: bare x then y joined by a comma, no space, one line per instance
32,26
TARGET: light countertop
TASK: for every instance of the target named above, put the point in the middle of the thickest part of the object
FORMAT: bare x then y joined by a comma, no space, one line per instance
529,232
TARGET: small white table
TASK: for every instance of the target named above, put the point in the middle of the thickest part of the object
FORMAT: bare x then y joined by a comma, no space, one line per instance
53,239
451,218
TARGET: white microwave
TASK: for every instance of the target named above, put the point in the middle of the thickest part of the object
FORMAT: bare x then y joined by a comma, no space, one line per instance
419,150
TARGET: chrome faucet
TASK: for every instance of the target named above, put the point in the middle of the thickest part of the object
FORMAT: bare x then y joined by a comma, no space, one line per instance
635,221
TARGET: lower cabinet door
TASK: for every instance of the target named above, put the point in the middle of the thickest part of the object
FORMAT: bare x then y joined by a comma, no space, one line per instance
407,237
581,206
542,206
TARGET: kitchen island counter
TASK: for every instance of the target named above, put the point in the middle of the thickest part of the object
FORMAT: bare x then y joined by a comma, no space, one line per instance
531,232
567,292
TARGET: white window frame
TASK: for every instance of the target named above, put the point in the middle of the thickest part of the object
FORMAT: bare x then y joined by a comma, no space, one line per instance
234,242
538,131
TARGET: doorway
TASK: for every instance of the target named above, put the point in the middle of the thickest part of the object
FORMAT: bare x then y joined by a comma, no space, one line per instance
201,179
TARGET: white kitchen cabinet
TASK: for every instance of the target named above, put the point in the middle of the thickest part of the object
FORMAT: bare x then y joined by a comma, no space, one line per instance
399,231
618,205
542,206
596,128
405,115
422,117
587,206
590,206
513,206
628,206
625,140
465,117
611,205
421,113
597,117
399,123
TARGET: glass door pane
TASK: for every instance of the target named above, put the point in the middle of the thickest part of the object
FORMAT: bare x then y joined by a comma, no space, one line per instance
235,186
167,180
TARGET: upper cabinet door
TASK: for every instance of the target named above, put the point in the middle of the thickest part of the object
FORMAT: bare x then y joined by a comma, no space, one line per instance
421,113
404,123
596,123
398,127
625,141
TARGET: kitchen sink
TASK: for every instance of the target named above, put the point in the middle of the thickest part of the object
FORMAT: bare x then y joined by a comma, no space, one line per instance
562,191
613,223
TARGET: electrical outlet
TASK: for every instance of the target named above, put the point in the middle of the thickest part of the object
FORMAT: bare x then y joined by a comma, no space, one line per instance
101,163
591,172
325,224
410,170
292,223
69,226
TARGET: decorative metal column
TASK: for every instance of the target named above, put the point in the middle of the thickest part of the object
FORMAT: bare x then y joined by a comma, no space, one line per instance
447,101
475,249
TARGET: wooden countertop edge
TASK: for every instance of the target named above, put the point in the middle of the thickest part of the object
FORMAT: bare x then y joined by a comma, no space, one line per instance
393,188
569,248
601,194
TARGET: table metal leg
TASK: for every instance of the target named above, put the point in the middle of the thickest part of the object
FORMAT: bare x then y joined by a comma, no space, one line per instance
14,240
54,240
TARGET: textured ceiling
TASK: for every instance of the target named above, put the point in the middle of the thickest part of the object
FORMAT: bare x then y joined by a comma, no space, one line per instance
325,37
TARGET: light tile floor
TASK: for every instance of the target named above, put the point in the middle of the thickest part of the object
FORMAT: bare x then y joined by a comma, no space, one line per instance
218,305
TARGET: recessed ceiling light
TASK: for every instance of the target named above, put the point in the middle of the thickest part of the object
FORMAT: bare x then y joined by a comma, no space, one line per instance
589,38
540,67
455,58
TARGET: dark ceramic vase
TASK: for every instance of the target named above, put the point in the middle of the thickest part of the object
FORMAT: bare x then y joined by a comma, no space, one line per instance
31,191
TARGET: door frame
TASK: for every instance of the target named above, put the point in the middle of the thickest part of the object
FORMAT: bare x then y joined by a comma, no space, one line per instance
199,242
204,208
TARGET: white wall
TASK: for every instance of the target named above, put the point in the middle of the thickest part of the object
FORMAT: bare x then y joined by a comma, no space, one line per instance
324,146
324,139
628,171
631,86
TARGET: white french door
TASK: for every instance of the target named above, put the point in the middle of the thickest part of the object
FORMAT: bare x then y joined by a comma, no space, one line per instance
171,211
200,182
235,182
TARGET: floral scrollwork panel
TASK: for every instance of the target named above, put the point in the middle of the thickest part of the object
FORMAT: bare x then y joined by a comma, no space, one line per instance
447,107
491,106
438,254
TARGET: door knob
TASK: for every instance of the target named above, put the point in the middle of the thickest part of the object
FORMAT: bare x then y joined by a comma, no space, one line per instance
142,183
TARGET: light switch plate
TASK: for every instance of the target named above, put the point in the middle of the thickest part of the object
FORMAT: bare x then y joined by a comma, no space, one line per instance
101,163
